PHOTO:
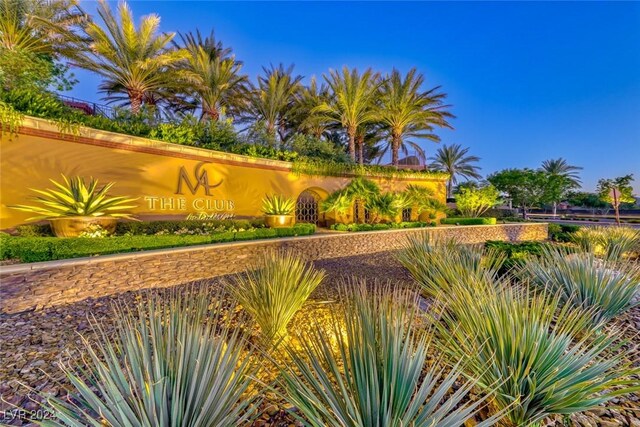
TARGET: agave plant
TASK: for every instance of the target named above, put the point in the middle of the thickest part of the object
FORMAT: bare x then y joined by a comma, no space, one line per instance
170,362
437,266
609,242
274,291
278,205
375,376
75,198
604,287
542,354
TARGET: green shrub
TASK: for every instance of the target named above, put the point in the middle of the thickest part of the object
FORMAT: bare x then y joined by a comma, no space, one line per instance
374,376
36,249
34,230
274,290
606,288
515,254
468,221
562,232
186,226
170,360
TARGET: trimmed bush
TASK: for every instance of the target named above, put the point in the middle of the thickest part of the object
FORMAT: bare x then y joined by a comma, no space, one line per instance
468,221
153,227
562,232
212,226
35,249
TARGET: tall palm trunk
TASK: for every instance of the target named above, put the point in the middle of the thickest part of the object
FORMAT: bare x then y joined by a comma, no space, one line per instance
396,142
351,132
212,113
450,188
135,98
360,145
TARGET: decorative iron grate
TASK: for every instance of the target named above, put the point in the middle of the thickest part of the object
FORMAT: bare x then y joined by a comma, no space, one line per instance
307,207
406,215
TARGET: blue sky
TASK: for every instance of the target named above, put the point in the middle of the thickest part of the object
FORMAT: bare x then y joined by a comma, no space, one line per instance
528,81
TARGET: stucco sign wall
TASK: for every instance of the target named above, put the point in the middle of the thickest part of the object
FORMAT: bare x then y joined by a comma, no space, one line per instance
168,179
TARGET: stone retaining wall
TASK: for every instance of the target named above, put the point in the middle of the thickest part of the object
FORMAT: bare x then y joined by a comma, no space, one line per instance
45,284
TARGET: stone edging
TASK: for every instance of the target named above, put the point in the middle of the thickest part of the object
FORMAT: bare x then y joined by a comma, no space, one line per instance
44,284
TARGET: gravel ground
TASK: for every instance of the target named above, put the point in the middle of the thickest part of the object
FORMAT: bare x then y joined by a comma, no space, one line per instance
33,342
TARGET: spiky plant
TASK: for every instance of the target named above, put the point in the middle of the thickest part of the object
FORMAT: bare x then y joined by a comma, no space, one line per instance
608,242
606,288
76,198
278,205
542,354
274,290
374,376
437,265
170,361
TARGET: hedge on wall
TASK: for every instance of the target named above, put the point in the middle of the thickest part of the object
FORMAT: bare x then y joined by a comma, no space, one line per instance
468,221
154,227
374,227
35,249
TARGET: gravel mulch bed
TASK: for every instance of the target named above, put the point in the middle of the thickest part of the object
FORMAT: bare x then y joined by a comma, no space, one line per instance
33,342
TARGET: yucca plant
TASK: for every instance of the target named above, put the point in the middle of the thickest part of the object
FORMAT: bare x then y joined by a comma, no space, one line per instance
606,288
171,361
274,290
437,265
543,355
278,205
375,376
74,197
609,242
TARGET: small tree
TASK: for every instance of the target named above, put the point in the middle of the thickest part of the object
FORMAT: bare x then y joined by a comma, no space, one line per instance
525,187
616,191
587,200
473,202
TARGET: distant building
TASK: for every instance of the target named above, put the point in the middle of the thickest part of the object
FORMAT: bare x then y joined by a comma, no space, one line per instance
411,162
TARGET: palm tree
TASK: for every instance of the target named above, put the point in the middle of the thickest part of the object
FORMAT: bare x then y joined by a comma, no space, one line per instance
213,75
271,102
560,168
308,98
136,62
407,112
454,160
41,27
352,101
